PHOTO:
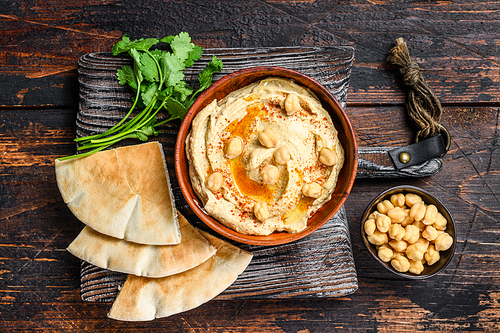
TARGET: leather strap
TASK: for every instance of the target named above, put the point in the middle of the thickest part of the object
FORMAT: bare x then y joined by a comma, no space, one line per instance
419,152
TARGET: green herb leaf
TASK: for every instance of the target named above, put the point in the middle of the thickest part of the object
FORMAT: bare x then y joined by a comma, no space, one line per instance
181,46
139,44
194,55
172,68
176,109
141,136
148,95
148,68
136,56
126,75
167,39
156,54
205,77
165,93
182,91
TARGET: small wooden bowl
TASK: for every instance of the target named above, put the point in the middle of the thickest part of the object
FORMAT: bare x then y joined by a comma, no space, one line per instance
239,79
445,256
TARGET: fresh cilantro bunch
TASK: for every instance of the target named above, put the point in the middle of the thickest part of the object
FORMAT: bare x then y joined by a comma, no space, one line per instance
157,78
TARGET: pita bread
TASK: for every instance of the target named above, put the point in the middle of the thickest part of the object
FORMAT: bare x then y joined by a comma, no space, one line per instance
140,259
143,299
123,193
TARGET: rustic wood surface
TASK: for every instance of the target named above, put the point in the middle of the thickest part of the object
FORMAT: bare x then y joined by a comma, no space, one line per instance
456,46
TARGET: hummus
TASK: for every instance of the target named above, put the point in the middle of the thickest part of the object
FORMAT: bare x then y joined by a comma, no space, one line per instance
265,158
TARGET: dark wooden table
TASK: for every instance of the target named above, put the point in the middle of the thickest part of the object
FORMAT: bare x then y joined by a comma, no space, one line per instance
457,46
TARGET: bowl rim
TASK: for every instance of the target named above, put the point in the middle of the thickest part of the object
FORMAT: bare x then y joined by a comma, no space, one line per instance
412,189
185,183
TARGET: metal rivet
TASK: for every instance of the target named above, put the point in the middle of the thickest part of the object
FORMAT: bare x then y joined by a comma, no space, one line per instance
404,158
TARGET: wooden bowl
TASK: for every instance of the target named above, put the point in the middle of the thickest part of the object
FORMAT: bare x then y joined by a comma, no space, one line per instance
445,256
239,79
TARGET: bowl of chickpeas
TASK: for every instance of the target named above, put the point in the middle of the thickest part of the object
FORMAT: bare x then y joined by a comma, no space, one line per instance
409,232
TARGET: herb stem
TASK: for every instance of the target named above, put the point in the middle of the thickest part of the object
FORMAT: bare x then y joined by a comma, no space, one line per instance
166,121
113,129
129,127
87,153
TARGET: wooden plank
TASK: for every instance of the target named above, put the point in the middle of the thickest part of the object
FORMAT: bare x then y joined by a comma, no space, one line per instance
279,272
459,69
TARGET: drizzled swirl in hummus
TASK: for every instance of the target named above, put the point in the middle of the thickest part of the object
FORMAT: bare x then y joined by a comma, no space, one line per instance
273,185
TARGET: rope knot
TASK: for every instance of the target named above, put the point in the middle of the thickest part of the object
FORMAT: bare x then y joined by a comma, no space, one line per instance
411,74
422,105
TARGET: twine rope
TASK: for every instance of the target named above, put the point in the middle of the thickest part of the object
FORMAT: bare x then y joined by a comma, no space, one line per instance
422,105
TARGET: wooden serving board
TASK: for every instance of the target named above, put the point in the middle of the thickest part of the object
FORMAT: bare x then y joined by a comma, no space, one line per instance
320,265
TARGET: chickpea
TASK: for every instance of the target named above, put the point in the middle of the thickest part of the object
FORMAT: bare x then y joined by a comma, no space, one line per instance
215,181
400,263
396,214
424,242
386,245
443,242
328,157
412,199
396,231
430,215
416,267
419,224
270,174
385,253
383,222
370,226
430,233
441,222
377,238
260,211
416,251
282,155
398,200
268,138
431,255
233,147
408,219
384,206
292,104
412,234
373,215
312,190
398,246
417,211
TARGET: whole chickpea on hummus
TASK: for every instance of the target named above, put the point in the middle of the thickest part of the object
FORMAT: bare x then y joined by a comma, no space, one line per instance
265,158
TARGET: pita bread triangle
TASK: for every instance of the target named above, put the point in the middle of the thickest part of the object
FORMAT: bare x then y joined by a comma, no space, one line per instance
123,193
142,299
141,259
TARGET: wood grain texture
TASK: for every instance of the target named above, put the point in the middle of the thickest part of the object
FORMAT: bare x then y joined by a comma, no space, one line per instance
439,38
454,43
